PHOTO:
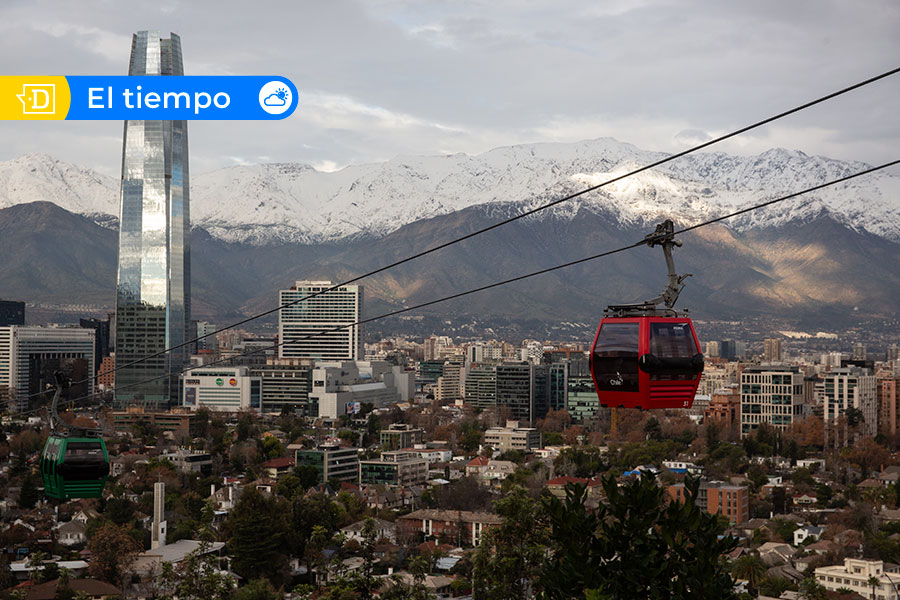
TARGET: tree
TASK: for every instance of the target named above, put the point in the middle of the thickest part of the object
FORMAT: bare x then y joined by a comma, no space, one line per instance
810,589
785,529
802,476
652,429
780,500
271,447
257,589
198,578
256,535
113,551
306,512
7,577
29,494
774,587
315,562
36,564
119,510
366,584
750,567
869,455
555,421
824,494
508,561
636,545
308,475
873,582
288,485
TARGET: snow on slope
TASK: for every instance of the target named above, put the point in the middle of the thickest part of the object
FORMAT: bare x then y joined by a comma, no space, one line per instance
294,202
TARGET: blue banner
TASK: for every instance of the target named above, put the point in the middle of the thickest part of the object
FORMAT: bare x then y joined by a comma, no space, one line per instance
176,98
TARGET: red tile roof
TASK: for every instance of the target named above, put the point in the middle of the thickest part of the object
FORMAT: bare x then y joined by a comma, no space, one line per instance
478,461
279,463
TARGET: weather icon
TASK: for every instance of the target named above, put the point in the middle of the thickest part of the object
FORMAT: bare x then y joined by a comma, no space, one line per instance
279,98
275,98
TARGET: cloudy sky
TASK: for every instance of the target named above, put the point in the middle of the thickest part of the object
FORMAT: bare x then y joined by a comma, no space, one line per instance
383,78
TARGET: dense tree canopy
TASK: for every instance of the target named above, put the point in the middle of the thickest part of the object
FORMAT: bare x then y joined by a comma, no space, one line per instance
636,545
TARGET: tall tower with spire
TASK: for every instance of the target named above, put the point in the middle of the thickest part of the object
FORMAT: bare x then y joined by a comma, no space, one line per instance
153,292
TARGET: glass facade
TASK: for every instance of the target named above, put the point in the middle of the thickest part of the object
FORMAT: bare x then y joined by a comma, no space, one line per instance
153,303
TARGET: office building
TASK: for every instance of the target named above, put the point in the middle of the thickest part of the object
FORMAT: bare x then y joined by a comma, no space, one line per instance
859,352
582,402
29,357
179,421
332,461
718,498
397,467
222,389
322,327
205,338
153,293
449,386
712,349
893,352
772,350
716,376
888,392
400,435
340,388
772,395
851,387
106,374
11,313
286,383
101,338
558,385
430,371
513,437
522,388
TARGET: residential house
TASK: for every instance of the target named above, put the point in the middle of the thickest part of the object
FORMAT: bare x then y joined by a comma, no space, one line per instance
776,553
458,526
384,530
277,467
807,532
557,487
71,533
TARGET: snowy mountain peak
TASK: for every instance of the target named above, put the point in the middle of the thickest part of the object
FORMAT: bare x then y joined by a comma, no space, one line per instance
279,202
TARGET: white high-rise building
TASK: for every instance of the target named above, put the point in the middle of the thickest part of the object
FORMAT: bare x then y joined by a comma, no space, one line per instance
323,327
771,395
852,387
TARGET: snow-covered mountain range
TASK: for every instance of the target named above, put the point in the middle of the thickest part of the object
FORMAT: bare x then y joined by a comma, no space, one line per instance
292,202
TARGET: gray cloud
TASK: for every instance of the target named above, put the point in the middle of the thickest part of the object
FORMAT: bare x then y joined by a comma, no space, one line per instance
388,77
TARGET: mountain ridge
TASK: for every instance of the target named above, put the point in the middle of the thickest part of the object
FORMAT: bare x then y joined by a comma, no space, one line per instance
813,271
293,203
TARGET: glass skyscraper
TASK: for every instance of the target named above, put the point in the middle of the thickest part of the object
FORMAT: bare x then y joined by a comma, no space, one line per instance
153,294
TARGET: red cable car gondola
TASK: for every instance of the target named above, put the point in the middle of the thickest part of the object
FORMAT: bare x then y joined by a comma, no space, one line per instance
646,356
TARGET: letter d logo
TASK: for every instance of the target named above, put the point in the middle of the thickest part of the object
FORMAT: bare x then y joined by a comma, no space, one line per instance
38,99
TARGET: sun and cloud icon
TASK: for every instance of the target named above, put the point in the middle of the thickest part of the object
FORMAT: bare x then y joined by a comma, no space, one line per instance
279,98
275,98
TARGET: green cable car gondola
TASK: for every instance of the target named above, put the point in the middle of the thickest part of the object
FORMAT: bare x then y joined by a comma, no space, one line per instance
74,463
